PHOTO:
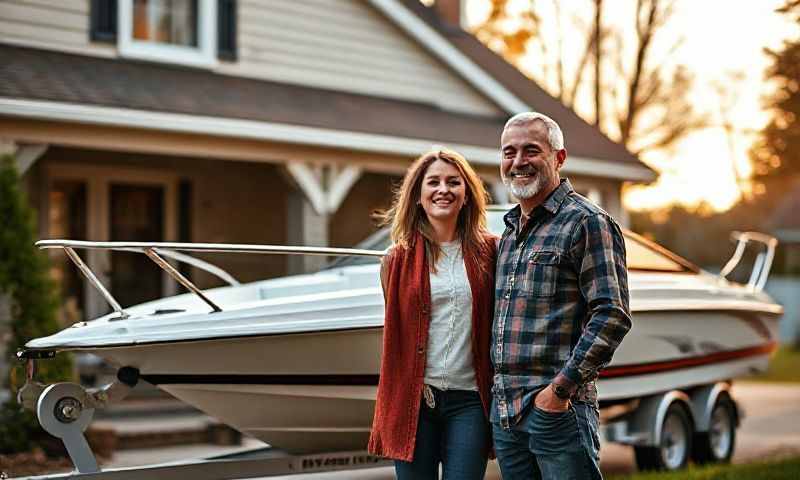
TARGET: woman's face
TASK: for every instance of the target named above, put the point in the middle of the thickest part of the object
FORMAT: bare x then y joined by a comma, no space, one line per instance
443,191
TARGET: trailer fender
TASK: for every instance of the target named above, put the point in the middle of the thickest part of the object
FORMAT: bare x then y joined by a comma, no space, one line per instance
703,400
642,427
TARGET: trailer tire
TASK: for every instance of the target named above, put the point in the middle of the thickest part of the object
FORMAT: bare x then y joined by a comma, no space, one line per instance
717,445
674,445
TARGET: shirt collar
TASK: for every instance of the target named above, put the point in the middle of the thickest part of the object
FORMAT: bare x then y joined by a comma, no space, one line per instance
551,204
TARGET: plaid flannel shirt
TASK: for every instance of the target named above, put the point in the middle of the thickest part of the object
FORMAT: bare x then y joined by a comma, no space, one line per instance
561,302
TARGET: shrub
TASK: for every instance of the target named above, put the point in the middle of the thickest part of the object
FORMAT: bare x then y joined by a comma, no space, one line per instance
25,284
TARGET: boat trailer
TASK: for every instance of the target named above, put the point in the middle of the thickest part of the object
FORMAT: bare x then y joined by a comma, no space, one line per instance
65,410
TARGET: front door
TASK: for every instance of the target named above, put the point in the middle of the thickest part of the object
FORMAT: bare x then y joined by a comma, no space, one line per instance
120,204
136,215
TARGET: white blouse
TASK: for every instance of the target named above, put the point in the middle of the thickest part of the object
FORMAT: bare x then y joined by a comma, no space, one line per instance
449,360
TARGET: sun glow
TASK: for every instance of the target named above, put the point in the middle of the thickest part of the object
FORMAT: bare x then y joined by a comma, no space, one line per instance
723,47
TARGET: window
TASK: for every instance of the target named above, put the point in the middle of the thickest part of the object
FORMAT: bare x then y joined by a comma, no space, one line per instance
174,31
172,22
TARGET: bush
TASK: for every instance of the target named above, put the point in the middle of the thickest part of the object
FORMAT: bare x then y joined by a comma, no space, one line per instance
25,284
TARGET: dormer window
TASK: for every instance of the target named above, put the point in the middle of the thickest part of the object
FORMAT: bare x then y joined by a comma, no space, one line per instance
174,31
171,22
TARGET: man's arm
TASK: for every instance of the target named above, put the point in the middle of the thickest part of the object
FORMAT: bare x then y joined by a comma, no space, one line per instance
598,253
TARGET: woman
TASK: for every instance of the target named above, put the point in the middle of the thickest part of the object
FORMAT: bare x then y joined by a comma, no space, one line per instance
438,279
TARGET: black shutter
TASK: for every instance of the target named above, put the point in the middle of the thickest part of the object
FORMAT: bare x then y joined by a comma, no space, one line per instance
104,21
226,29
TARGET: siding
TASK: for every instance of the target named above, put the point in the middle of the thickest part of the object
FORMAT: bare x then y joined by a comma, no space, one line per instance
345,45
56,24
783,289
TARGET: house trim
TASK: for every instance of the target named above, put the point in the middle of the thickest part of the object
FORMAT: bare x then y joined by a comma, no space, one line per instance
445,51
292,134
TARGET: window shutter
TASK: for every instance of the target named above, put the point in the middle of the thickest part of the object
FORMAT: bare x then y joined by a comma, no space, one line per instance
104,21
226,29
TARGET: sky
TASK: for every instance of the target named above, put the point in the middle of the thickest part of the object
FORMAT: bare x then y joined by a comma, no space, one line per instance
723,39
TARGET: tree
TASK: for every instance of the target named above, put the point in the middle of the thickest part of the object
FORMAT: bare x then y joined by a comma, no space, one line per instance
637,95
30,294
776,154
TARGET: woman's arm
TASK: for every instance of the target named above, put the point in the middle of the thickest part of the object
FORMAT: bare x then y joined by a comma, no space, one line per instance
384,273
385,262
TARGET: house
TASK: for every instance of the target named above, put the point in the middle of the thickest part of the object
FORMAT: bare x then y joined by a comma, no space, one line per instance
247,121
784,283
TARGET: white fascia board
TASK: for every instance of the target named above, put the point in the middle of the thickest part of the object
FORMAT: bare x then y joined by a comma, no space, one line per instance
603,168
445,51
285,133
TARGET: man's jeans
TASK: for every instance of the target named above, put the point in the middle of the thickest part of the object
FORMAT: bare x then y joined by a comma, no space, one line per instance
454,433
547,446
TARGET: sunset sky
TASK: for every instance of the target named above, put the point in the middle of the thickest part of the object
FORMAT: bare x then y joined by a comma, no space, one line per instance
722,39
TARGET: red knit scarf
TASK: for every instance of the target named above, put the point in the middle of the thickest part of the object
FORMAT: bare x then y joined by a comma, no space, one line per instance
405,341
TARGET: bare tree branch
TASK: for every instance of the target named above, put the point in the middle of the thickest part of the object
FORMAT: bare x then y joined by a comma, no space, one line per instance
642,103
598,84
559,53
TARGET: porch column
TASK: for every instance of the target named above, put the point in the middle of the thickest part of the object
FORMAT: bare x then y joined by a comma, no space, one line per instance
321,190
499,191
617,208
595,195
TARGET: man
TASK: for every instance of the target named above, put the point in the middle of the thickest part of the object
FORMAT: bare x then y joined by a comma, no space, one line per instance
561,309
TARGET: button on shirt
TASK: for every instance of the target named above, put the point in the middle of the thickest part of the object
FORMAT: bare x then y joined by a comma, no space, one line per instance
449,359
561,301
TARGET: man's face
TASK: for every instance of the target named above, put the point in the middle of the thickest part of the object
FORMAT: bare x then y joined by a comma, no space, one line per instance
529,166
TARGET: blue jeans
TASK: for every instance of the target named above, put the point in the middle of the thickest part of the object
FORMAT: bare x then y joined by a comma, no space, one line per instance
548,446
454,433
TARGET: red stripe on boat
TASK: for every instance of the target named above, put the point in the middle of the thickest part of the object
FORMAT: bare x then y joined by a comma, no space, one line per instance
642,368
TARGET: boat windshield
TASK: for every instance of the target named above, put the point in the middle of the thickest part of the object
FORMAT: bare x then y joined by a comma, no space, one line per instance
642,254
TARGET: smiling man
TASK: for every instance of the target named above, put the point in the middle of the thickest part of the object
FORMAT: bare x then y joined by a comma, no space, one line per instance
561,309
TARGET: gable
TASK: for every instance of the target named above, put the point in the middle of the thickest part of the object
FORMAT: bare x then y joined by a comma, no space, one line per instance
346,45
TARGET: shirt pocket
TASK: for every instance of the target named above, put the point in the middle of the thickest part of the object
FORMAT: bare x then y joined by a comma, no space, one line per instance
541,273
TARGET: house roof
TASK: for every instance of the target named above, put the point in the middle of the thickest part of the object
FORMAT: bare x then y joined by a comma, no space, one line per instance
48,75
33,74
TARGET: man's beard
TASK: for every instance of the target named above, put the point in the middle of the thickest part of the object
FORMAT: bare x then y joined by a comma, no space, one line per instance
525,191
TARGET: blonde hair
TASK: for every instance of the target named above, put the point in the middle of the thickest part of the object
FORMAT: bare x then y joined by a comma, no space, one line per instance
407,216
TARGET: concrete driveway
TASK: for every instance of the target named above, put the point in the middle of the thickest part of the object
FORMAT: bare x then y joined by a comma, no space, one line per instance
770,428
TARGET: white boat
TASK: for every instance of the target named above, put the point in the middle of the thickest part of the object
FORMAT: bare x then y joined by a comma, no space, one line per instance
294,361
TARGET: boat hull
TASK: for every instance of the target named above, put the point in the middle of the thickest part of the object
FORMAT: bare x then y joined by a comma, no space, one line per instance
315,392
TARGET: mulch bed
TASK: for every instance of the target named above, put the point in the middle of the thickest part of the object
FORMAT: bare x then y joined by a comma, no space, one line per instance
32,463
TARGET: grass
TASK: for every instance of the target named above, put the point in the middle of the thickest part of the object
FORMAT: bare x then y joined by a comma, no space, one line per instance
785,469
784,367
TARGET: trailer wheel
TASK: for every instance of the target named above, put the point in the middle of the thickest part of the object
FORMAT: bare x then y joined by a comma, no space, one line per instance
717,445
675,443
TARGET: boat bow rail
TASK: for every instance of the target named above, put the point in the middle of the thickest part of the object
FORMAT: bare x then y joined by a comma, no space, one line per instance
762,263
155,251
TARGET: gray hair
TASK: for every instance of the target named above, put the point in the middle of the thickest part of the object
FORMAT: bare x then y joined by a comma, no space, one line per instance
554,135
